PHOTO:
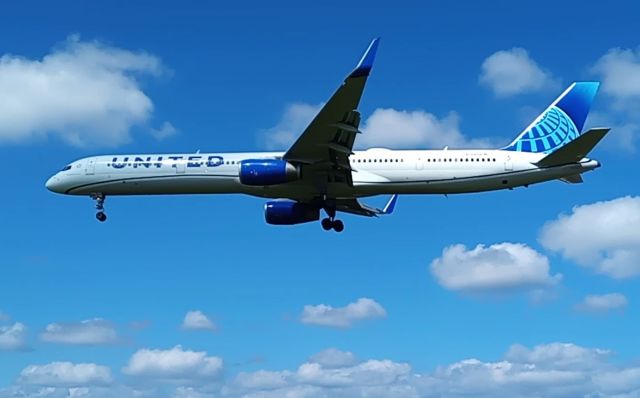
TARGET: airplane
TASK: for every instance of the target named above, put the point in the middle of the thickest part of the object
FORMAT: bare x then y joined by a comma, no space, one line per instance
322,172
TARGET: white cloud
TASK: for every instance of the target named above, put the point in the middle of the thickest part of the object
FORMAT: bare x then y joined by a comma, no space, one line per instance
564,356
604,236
196,320
174,365
500,267
549,370
295,119
342,317
510,72
368,373
66,374
84,92
166,130
619,70
385,127
602,302
13,337
553,370
263,380
334,358
410,129
88,332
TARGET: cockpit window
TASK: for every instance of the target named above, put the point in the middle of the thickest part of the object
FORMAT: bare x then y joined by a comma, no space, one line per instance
67,167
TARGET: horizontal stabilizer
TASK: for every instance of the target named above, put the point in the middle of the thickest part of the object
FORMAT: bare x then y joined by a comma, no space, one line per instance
576,150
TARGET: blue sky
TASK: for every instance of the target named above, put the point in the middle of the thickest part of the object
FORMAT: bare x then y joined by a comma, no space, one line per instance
90,309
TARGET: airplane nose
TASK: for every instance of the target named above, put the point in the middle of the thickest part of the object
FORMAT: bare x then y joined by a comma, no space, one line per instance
53,184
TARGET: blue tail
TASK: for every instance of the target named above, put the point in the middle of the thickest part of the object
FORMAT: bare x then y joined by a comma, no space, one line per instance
560,123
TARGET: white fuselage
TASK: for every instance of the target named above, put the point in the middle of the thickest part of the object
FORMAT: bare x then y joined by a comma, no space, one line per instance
375,171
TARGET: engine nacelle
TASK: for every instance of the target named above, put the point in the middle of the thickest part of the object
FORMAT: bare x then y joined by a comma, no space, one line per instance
267,172
286,212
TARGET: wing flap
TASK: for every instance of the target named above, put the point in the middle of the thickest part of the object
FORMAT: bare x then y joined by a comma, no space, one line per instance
354,206
573,179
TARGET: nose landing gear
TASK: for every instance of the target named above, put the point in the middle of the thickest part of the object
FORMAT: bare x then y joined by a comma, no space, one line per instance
99,198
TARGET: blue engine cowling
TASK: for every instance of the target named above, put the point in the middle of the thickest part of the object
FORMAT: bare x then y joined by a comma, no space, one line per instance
267,172
286,212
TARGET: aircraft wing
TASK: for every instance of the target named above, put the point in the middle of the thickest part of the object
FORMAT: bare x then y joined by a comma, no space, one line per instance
324,147
353,206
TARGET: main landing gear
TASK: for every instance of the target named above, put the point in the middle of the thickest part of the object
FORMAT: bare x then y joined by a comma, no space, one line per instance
99,198
331,222
328,223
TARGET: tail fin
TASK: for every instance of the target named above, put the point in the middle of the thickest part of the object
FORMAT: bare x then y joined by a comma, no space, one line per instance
560,123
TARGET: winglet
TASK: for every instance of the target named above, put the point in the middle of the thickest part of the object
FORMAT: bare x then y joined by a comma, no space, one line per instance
391,205
366,62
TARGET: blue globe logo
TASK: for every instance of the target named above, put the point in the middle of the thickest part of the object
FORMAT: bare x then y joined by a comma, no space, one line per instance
552,131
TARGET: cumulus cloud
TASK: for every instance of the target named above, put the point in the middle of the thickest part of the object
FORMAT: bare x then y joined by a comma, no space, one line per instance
262,380
511,72
342,317
564,356
174,365
66,374
295,119
410,129
549,370
554,370
13,337
604,236
166,130
501,267
385,127
619,71
88,332
602,302
196,320
84,92
334,358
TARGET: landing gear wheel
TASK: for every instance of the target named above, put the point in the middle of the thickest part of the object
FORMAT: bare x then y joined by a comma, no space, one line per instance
338,226
326,224
99,198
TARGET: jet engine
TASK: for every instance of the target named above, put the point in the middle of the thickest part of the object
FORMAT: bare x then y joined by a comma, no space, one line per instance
267,172
287,212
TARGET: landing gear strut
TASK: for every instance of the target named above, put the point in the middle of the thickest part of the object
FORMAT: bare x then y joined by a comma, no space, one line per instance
99,198
331,222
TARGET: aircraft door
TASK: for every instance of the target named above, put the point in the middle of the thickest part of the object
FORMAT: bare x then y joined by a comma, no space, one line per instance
419,164
508,163
90,167
180,166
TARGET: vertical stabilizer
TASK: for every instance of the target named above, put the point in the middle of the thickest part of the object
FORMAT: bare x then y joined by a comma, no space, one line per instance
560,123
